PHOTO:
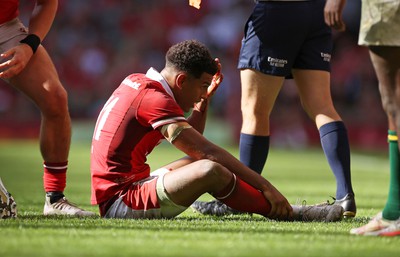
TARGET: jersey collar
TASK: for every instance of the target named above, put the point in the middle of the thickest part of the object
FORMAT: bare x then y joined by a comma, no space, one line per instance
155,75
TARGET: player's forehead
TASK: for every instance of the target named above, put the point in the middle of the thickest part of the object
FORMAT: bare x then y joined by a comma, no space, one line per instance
206,77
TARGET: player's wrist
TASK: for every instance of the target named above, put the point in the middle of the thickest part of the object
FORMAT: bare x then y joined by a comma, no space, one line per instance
201,106
32,40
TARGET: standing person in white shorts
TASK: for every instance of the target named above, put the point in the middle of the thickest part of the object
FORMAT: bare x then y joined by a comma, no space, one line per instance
380,31
26,66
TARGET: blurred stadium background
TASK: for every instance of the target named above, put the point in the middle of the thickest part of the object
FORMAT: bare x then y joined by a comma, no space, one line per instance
95,44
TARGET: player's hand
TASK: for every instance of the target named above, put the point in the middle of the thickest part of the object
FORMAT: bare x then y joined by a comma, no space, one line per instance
280,207
14,60
333,14
216,81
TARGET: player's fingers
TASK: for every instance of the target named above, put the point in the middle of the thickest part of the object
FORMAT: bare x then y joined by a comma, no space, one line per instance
6,74
327,19
284,211
211,89
220,78
287,212
216,81
332,20
5,64
218,63
11,71
273,212
219,66
336,17
8,54
337,20
5,54
341,26
290,212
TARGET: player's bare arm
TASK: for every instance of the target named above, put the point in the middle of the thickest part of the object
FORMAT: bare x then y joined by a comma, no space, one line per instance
198,117
197,147
13,61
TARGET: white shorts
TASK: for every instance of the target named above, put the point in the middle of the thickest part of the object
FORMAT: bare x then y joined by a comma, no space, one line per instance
145,199
11,33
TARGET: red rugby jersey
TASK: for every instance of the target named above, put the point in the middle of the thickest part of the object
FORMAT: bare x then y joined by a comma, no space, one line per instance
8,10
126,132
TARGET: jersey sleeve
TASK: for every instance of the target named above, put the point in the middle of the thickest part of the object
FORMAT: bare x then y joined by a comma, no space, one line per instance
157,108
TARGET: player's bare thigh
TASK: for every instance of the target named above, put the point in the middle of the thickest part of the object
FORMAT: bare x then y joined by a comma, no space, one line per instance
185,184
315,94
39,80
259,92
386,62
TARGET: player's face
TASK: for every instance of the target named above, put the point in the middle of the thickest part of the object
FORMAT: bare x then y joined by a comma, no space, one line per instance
194,89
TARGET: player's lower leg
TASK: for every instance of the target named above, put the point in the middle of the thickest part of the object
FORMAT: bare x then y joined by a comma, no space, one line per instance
241,196
55,139
253,151
335,143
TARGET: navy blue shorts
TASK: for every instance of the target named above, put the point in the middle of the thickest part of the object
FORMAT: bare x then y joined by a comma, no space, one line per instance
280,36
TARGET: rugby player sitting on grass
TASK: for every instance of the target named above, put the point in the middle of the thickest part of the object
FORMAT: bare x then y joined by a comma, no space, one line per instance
147,108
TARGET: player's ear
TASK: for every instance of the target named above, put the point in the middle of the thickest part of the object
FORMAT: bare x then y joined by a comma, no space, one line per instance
180,79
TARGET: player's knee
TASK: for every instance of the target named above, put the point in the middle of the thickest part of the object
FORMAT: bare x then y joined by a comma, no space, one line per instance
313,109
213,172
56,102
253,113
206,167
389,105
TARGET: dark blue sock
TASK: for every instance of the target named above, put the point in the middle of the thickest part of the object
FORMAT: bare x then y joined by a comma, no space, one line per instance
336,147
253,151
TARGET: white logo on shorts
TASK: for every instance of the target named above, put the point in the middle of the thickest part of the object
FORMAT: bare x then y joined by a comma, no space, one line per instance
326,57
277,62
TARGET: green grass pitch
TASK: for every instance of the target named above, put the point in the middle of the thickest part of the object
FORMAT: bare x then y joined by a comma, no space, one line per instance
299,174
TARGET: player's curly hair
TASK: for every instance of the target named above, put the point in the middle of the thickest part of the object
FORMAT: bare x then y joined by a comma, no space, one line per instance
192,57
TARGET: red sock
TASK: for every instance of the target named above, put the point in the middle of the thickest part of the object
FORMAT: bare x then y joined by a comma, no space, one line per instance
55,176
244,198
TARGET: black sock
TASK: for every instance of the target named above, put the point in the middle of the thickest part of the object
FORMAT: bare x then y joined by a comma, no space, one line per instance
54,196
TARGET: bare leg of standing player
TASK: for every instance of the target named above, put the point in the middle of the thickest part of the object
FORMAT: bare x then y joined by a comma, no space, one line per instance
26,66
386,62
45,90
265,60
